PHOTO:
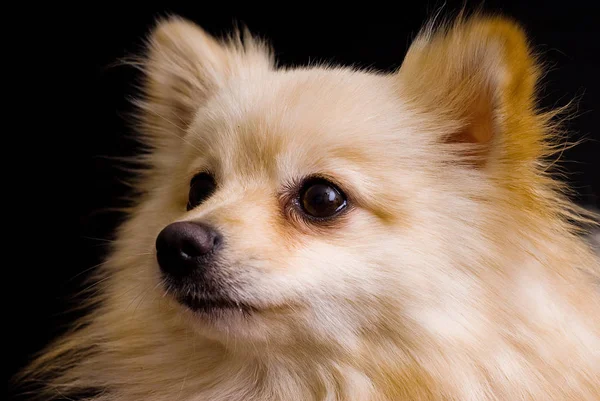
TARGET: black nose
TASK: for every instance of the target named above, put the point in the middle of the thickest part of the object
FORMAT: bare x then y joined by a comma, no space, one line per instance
184,247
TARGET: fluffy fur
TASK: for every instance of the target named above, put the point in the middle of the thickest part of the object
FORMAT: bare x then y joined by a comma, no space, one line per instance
457,273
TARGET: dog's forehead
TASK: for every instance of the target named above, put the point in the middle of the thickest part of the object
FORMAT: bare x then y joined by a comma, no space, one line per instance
302,119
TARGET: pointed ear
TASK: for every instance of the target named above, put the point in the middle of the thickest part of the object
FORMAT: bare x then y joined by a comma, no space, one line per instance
183,66
476,78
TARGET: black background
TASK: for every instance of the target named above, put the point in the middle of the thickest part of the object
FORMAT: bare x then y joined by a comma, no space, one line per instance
69,118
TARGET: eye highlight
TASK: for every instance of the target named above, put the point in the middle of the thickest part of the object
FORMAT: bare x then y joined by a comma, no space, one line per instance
202,187
321,199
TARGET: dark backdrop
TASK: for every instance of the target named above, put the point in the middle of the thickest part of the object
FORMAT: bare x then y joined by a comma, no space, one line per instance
71,110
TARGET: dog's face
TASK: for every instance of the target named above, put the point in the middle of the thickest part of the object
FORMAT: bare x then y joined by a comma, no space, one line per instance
307,205
282,203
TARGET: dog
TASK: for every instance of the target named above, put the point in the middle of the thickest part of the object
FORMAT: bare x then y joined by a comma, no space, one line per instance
334,233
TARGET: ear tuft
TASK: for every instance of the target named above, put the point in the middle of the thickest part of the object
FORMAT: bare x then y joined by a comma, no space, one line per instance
477,76
183,67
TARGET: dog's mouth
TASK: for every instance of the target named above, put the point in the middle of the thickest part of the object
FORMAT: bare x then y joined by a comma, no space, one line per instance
214,306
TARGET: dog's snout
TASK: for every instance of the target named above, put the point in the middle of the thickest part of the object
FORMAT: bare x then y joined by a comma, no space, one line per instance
184,247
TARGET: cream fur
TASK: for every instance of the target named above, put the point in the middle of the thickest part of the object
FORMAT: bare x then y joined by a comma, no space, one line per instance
455,276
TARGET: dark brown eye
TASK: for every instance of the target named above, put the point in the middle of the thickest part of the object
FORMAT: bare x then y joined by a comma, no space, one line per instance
201,188
321,199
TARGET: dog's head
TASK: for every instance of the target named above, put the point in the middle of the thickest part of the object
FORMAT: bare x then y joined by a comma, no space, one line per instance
325,203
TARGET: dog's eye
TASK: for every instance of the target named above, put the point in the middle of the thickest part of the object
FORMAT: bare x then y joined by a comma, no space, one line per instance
321,199
201,187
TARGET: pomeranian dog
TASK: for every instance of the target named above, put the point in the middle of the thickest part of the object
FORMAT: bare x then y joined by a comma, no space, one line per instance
331,233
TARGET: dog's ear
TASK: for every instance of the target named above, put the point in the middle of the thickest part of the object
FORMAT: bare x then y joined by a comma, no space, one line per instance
182,67
475,79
